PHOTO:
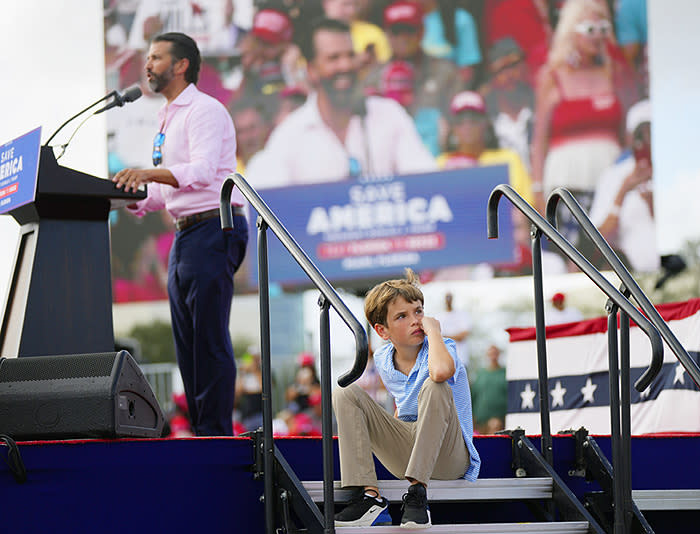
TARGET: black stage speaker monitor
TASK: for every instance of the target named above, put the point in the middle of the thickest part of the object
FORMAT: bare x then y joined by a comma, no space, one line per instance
102,395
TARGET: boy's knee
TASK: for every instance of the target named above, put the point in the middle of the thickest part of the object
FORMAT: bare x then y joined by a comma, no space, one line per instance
435,390
343,396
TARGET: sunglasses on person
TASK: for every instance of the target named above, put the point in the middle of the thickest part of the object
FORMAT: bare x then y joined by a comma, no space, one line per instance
510,62
590,28
354,167
157,152
402,29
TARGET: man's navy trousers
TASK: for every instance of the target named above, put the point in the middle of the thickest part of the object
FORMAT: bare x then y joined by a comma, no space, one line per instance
203,260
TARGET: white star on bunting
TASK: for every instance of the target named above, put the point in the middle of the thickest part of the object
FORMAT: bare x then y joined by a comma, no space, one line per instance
558,395
528,396
680,371
588,390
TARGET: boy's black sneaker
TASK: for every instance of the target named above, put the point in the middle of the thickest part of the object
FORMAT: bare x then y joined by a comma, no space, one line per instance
415,508
364,510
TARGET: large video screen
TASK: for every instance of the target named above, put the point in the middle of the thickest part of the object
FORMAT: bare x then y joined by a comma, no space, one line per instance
394,146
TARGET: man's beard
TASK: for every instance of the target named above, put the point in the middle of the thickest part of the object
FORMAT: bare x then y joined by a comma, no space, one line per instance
158,82
341,98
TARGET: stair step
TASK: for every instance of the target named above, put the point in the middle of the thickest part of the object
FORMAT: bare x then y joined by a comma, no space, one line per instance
485,489
666,499
563,527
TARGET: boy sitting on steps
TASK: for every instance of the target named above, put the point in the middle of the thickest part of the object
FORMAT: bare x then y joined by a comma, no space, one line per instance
430,435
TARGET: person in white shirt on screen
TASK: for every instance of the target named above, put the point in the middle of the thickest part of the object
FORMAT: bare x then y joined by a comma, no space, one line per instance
338,134
623,205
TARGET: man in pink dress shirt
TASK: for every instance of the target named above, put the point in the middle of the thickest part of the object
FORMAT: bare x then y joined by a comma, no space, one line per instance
193,152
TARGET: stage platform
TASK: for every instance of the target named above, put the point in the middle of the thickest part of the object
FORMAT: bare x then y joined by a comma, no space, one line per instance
206,484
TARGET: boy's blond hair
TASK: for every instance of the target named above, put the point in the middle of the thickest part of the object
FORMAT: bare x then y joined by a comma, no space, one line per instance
380,296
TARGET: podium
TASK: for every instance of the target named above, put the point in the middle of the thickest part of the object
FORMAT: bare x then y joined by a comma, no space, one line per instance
60,296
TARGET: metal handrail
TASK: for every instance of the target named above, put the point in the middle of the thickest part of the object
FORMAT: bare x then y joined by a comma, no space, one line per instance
564,196
329,298
657,348
304,262
618,300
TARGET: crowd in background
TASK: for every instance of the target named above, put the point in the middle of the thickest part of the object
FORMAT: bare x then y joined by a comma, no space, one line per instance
302,413
542,86
297,407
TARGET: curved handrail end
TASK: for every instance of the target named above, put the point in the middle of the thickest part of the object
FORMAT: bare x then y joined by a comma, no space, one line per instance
225,210
492,211
657,362
552,203
361,357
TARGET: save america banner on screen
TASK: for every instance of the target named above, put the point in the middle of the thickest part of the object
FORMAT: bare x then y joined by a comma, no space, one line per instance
355,230
577,359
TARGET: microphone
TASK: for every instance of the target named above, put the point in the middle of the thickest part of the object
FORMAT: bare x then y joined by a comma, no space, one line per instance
129,95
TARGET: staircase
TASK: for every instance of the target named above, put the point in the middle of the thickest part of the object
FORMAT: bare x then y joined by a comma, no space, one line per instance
293,506
462,492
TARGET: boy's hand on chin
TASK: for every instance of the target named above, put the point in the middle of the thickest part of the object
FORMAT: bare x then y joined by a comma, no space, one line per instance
430,325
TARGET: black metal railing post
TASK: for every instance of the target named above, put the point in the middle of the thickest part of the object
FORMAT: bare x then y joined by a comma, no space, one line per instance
268,442
326,416
626,420
615,431
541,338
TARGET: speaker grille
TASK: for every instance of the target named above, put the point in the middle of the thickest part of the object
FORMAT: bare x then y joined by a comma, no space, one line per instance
56,367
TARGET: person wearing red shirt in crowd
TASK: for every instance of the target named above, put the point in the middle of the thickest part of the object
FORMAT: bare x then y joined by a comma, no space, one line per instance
397,83
579,116
525,21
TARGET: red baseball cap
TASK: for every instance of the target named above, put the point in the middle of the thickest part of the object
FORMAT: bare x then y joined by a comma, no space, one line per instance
397,82
467,101
272,26
558,297
305,359
404,12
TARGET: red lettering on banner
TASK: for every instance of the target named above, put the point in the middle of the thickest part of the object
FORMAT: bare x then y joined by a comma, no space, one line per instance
383,245
8,190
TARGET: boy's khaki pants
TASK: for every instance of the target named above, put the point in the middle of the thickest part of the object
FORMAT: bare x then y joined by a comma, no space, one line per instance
430,447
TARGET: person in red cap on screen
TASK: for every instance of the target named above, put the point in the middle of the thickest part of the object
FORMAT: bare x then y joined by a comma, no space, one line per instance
270,61
397,83
477,144
435,80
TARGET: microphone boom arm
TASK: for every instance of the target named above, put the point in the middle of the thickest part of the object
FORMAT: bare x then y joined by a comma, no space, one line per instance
108,95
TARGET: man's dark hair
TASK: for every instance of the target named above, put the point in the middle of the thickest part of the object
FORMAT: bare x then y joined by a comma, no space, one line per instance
308,47
183,47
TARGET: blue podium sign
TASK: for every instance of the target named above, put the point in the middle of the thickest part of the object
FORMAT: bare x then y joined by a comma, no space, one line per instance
19,165
367,230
